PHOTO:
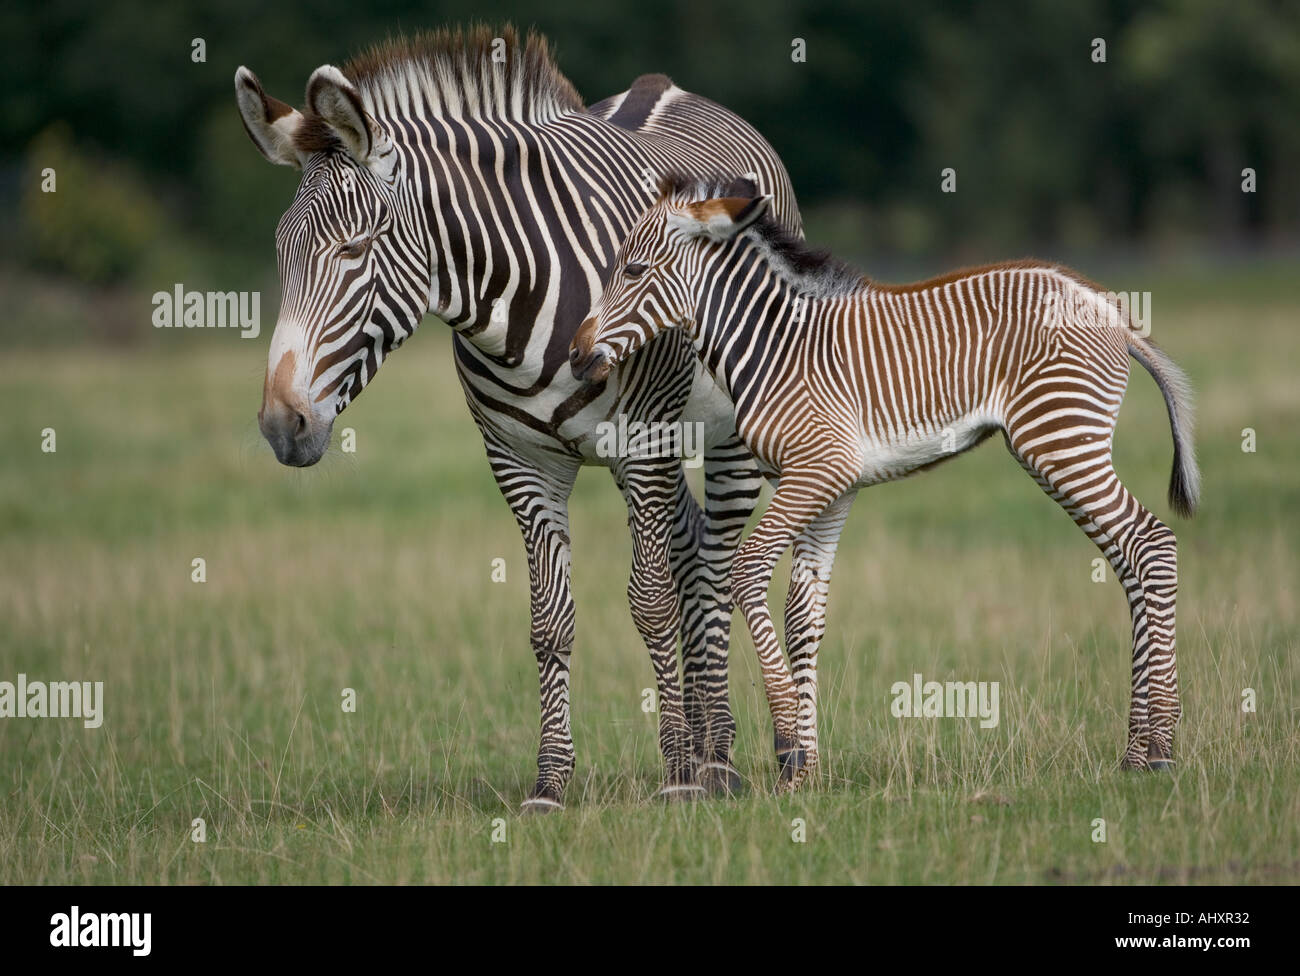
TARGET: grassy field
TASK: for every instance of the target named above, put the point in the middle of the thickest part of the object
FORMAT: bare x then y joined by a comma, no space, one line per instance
373,572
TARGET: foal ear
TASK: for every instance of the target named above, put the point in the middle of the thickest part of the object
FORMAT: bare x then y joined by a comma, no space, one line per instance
719,219
269,122
338,104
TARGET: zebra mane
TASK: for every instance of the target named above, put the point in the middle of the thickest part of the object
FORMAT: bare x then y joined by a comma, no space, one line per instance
482,72
812,270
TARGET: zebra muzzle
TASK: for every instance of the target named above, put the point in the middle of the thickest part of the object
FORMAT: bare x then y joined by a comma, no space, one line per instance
591,368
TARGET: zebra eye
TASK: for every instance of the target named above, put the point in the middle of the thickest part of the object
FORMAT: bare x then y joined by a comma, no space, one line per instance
353,249
634,270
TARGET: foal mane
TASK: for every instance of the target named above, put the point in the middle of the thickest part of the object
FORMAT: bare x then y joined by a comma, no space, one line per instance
812,270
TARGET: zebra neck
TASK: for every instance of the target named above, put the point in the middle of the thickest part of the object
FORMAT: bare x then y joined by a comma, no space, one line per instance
522,225
749,316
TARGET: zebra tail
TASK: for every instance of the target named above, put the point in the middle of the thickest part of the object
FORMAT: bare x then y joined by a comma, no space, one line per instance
1185,479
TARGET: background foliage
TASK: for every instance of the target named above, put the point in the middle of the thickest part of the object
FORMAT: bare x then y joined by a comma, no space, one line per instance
1055,154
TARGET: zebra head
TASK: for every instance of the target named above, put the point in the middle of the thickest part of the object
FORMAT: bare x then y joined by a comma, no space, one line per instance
354,280
654,283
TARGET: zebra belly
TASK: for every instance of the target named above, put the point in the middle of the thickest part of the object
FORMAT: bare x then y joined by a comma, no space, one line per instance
707,419
890,459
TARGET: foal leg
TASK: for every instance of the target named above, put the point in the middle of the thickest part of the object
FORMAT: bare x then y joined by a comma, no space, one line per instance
805,622
1144,554
800,498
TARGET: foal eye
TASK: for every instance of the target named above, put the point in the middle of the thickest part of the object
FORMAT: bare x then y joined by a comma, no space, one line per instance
634,270
353,249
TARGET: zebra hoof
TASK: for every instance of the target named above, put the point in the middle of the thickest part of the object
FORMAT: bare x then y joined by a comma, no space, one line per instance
680,792
539,804
720,778
792,762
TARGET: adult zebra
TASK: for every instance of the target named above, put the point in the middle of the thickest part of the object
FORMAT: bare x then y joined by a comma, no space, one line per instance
460,174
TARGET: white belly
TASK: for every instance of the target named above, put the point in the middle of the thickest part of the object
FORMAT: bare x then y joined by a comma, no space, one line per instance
888,460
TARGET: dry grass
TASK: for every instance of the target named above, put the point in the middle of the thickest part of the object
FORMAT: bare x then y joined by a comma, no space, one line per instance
373,572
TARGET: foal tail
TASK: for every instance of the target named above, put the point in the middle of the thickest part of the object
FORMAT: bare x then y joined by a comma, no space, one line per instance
1185,479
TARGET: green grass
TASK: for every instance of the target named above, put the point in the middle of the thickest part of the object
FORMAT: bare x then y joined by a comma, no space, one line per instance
372,571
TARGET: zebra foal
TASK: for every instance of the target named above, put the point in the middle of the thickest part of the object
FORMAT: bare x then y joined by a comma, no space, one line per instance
839,383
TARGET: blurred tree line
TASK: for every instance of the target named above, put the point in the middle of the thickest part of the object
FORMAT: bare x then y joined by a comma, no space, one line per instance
1051,147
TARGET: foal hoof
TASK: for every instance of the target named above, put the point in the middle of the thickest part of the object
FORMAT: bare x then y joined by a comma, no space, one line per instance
719,778
1160,755
680,792
539,804
1133,760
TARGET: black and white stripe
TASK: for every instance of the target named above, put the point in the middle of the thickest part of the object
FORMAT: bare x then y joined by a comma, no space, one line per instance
438,177
840,383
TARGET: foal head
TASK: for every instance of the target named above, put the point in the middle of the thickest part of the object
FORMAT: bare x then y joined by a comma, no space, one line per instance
653,283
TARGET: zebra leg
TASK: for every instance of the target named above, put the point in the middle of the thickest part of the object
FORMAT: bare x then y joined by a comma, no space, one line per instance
685,564
1144,554
731,486
800,498
539,501
805,620
1151,549
649,487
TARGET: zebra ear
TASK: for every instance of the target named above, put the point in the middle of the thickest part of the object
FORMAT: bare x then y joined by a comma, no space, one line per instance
720,219
269,122
332,97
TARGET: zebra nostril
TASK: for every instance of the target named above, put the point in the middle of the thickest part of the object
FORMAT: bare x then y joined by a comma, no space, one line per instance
301,427
593,368
577,364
